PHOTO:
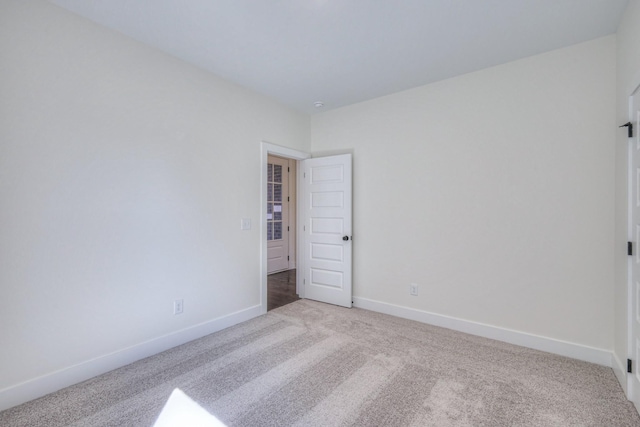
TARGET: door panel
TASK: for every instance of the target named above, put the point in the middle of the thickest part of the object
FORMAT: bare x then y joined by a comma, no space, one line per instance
322,252
327,226
327,196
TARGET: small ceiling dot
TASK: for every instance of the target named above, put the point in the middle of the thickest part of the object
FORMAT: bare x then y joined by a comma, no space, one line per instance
318,104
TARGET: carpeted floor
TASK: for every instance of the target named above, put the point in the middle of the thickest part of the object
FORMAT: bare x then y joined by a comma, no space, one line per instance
312,364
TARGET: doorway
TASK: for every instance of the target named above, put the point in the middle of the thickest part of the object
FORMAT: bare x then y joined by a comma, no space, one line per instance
284,278
281,221
281,231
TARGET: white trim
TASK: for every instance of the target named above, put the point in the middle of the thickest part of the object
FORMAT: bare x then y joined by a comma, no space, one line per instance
550,345
267,148
38,387
293,212
620,370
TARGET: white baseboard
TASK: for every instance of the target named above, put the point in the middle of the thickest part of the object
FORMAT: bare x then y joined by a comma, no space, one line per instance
38,387
550,345
620,370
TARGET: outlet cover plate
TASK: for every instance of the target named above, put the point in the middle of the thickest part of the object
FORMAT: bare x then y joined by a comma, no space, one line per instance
413,289
178,306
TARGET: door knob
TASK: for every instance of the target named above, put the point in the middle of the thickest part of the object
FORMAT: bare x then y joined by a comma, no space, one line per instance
345,238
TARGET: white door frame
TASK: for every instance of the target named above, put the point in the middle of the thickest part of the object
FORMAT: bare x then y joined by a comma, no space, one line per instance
267,148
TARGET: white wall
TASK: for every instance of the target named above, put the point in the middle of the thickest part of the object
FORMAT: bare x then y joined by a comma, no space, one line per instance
124,174
493,191
628,79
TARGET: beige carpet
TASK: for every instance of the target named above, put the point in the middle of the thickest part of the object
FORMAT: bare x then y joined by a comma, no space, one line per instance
312,364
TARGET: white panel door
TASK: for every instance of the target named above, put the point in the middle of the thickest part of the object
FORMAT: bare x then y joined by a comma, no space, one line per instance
634,216
327,229
277,214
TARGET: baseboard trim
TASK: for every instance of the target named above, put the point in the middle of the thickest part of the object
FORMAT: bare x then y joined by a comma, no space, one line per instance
41,386
620,370
550,345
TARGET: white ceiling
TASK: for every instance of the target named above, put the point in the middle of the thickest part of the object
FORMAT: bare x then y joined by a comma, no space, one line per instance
346,51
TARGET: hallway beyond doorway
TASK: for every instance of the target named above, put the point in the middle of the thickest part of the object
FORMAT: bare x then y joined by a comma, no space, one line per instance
281,289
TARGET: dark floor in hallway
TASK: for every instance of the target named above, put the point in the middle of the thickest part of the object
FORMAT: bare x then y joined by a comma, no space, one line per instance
281,289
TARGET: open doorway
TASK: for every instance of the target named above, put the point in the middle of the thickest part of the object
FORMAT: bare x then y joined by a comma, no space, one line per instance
281,231
288,277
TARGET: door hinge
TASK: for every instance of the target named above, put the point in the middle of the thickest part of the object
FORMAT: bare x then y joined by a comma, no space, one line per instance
288,169
287,198
629,248
629,366
304,281
287,257
629,127
287,228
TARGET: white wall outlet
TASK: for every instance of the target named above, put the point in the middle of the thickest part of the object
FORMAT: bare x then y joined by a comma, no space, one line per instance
245,223
178,306
413,289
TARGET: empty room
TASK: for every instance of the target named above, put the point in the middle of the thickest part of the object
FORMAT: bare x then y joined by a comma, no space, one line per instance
447,192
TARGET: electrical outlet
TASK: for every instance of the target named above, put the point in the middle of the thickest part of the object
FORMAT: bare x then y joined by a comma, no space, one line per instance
178,306
413,289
